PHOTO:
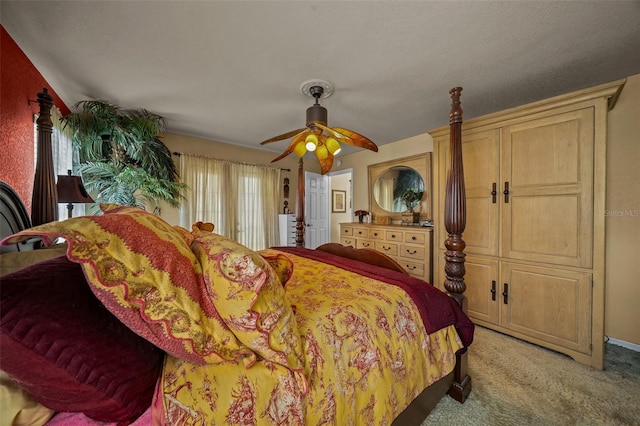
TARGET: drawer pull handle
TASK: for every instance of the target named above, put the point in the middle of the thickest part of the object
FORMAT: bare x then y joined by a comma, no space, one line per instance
413,238
411,251
386,248
393,235
365,244
410,267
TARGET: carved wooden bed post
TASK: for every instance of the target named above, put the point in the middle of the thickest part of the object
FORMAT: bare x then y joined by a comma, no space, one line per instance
300,207
455,219
44,201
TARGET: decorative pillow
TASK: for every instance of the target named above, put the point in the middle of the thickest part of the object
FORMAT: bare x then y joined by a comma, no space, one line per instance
142,269
281,264
63,347
250,298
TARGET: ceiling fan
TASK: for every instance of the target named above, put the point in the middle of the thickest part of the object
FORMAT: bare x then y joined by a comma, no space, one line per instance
317,136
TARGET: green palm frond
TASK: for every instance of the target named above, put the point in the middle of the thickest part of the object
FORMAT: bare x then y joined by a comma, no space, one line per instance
124,184
122,159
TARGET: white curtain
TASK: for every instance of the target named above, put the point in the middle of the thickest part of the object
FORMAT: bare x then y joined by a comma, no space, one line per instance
241,200
64,156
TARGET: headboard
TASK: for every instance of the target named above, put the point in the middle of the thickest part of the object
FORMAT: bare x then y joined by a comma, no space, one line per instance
13,218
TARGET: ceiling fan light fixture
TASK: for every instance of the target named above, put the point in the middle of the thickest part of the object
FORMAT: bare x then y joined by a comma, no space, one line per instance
300,149
321,152
333,146
311,142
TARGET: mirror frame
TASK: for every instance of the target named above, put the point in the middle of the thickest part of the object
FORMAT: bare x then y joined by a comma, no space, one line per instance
422,164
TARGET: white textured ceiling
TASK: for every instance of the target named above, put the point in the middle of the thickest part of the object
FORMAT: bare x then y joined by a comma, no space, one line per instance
231,71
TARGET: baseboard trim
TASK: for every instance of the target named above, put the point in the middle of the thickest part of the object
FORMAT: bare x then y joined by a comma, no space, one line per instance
624,344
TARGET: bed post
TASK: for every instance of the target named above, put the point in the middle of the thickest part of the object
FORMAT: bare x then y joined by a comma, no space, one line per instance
455,220
44,201
300,207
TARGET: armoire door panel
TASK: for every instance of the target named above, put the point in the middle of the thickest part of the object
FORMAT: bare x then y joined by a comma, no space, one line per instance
480,235
549,304
481,279
548,165
544,237
481,155
545,154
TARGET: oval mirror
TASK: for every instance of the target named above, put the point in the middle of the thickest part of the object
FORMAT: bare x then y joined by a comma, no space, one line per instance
398,189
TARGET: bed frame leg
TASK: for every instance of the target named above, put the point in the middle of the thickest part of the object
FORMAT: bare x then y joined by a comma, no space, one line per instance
461,386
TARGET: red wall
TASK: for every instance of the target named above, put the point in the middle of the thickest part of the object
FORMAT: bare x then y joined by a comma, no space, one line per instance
20,82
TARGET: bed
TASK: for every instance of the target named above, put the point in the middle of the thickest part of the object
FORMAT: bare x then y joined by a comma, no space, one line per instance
135,321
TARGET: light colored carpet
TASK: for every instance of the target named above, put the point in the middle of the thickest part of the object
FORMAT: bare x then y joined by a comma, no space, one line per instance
517,383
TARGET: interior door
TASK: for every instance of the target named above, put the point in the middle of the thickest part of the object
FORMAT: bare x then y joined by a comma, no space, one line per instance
316,208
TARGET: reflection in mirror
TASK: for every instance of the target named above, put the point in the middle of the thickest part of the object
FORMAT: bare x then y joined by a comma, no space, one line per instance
398,189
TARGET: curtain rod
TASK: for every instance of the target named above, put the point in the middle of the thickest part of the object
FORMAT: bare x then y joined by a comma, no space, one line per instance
229,161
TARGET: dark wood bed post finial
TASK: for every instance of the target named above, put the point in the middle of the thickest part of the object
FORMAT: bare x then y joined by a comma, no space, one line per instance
44,201
455,220
300,207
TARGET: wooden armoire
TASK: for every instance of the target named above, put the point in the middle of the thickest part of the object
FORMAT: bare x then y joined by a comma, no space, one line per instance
535,187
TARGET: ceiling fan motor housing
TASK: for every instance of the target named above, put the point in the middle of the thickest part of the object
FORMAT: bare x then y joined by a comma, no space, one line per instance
316,114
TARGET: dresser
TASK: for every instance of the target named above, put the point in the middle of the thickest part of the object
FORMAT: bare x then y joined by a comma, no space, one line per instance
535,180
287,229
410,246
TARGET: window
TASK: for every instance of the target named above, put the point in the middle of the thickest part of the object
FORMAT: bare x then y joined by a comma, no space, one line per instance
241,200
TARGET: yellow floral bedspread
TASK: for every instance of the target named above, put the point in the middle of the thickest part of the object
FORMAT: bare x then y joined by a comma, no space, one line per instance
366,357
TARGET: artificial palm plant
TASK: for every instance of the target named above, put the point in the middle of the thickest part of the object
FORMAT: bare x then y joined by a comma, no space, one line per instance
122,160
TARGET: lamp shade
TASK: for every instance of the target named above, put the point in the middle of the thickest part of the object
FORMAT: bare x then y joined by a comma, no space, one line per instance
71,190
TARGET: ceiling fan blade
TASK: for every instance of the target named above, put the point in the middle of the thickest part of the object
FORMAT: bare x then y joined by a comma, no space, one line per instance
325,164
299,137
349,137
358,139
283,136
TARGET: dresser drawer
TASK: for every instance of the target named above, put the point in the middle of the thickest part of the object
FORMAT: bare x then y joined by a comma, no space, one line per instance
346,231
348,241
376,234
412,252
368,244
413,268
390,249
414,237
393,235
361,232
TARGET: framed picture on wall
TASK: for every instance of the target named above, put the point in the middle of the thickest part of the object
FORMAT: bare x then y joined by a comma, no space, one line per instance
338,201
